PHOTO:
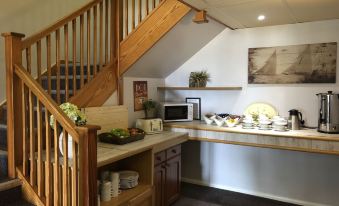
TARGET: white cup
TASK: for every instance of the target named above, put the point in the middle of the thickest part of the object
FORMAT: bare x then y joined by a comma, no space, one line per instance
114,176
106,190
115,192
104,176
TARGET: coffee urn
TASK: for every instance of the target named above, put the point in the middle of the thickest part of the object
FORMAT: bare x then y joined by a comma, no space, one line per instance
328,121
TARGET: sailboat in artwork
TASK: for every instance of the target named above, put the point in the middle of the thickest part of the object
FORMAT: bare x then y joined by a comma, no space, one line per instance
270,67
302,65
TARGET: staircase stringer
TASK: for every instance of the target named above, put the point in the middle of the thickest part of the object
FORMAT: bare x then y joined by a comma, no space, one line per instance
150,31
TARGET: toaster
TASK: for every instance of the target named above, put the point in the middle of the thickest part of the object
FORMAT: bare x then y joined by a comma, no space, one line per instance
150,126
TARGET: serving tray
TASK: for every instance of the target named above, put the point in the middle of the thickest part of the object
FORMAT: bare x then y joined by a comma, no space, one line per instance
112,139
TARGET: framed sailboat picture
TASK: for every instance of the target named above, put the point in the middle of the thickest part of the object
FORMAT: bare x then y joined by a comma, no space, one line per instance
308,63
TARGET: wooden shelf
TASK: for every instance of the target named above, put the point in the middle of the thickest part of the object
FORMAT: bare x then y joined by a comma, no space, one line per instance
126,195
201,88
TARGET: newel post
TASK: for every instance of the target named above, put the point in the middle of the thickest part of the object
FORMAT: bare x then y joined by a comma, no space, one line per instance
88,165
14,101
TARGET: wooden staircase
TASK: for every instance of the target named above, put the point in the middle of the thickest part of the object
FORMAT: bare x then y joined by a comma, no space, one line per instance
79,59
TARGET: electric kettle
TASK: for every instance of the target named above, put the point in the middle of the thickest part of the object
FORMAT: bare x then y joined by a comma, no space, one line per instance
295,120
328,121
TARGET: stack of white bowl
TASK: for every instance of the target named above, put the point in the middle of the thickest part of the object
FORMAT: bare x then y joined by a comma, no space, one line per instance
128,179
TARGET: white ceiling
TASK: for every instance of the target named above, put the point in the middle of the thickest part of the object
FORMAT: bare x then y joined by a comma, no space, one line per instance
239,14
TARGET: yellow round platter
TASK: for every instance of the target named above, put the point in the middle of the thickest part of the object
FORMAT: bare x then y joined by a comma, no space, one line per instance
261,108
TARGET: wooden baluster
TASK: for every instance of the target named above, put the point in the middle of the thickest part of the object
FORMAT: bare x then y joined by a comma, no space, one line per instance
56,164
112,30
88,160
106,32
49,69
48,169
88,45
74,39
29,60
75,173
57,37
147,7
25,150
118,32
95,41
81,51
133,15
13,55
32,139
66,72
38,48
140,12
101,33
126,17
39,162
65,168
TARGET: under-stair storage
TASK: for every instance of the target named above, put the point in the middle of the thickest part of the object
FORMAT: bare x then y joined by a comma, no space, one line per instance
142,194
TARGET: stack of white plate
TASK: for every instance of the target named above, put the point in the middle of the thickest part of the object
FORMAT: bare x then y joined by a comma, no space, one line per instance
128,179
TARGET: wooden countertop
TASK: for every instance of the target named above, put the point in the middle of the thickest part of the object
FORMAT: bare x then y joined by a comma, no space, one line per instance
311,134
109,153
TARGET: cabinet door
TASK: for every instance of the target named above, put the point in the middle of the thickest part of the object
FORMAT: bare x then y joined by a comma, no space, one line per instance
159,184
173,178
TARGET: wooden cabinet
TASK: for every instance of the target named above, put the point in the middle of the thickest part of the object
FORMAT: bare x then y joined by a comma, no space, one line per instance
167,174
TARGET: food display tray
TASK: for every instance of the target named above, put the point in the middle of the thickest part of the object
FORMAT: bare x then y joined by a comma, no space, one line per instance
112,139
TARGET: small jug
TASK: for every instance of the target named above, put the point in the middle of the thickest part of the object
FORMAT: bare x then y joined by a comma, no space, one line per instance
295,120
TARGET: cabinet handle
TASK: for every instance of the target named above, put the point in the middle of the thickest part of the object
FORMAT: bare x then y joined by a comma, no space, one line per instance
174,151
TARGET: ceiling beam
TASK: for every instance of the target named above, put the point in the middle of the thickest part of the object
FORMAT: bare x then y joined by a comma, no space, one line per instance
200,17
196,9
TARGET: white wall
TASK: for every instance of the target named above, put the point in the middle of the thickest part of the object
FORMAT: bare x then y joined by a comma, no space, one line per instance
152,84
29,17
282,174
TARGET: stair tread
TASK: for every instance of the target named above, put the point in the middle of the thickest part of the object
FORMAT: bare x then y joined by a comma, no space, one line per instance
64,77
9,184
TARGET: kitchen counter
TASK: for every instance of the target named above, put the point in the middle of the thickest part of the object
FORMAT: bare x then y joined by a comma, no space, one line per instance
109,153
308,140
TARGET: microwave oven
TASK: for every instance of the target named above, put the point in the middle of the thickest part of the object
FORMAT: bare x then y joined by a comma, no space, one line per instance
173,112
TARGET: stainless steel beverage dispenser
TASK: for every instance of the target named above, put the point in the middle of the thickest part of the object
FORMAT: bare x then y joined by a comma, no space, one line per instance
328,112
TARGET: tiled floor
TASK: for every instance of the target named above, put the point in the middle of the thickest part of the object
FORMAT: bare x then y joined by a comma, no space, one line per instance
194,195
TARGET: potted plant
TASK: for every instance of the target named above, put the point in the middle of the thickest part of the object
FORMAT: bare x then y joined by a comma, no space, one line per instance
79,118
199,79
149,107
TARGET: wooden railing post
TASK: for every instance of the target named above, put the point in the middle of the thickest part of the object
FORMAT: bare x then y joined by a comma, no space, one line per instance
88,165
14,96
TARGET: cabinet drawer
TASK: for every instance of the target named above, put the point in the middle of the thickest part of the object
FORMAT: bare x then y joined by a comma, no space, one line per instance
173,151
159,157
144,199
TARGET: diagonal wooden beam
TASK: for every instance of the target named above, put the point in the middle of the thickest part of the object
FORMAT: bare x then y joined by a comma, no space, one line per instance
150,31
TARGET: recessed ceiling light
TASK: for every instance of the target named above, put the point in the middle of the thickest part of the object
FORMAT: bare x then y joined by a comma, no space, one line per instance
261,17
